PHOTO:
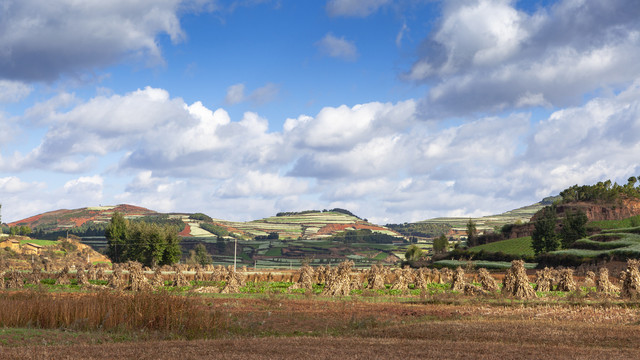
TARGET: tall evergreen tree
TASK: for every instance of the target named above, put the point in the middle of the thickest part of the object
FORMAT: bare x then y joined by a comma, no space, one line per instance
472,233
544,237
574,227
116,234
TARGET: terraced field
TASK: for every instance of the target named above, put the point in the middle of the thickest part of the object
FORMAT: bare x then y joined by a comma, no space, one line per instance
316,225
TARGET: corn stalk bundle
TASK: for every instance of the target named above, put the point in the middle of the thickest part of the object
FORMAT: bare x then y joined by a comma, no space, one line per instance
81,277
375,277
233,281
446,275
421,279
158,279
402,279
305,278
218,273
199,276
179,280
458,282
35,275
339,283
63,276
1,279
545,279
15,281
565,281
631,283
516,282
590,279
137,280
92,272
603,284
487,281
116,279
100,274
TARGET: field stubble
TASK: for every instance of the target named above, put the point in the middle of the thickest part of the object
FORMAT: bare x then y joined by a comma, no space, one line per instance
146,325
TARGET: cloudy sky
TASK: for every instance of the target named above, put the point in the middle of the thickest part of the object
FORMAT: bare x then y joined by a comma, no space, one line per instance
399,110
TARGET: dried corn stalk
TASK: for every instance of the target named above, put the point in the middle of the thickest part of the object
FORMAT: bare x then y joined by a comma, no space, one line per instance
516,282
305,278
566,282
179,280
339,283
233,281
631,283
544,279
458,282
487,281
81,277
403,278
603,284
590,279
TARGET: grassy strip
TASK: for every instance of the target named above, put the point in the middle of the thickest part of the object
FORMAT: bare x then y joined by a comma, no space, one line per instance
518,246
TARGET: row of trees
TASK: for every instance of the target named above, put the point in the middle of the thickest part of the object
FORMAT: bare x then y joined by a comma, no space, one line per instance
601,192
148,243
545,238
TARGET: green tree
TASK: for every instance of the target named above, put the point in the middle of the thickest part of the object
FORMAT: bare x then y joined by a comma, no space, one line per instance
413,253
573,227
544,237
440,244
116,233
472,233
148,243
200,255
25,230
173,250
221,245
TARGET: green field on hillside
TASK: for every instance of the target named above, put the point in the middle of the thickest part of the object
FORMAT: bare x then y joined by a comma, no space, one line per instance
39,242
518,246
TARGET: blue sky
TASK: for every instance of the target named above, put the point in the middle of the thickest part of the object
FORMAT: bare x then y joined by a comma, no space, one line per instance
397,110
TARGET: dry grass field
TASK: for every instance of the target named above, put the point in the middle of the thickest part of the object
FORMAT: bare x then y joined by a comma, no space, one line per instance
119,325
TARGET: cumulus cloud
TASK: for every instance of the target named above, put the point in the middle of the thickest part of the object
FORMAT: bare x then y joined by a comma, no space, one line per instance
356,8
380,160
486,55
41,41
335,47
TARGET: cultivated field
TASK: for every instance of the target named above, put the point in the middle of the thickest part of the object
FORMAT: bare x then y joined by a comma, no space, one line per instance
318,313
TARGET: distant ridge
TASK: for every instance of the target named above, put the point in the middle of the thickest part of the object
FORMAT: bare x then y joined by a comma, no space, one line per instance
65,218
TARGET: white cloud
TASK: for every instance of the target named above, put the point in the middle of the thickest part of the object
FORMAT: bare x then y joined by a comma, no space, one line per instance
235,94
257,184
485,55
357,8
337,47
259,96
13,91
380,160
41,41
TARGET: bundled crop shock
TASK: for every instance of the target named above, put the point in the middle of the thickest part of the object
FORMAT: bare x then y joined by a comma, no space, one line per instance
516,282
487,281
631,282
458,283
566,282
375,277
545,279
339,282
603,284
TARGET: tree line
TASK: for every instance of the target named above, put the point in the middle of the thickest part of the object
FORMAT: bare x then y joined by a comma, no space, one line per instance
148,243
